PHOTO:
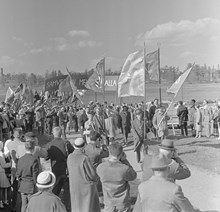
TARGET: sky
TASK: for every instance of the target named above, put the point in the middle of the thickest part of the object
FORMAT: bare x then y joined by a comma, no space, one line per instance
40,35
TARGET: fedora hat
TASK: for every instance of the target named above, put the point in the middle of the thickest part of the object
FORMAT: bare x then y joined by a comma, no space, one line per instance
159,162
167,145
45,179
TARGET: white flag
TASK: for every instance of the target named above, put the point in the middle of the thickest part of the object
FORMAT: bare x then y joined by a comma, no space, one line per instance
131,79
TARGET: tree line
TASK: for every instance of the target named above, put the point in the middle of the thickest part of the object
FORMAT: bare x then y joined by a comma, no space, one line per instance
199,74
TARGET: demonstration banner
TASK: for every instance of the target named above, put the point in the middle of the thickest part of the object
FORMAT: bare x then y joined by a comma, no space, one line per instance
52,84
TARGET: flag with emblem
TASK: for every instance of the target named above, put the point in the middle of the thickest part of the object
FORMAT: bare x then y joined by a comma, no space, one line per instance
96,80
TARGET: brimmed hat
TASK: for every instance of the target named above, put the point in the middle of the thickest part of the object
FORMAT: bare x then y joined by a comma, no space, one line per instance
167,145
159,162
45,179
79,143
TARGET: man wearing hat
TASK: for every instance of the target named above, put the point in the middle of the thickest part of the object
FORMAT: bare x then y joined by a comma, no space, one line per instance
126,122
115,173
158,193
82,178
178,169
44,200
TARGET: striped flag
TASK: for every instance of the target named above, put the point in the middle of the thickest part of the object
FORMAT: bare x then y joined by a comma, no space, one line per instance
131,80
174,89
72,82
96,80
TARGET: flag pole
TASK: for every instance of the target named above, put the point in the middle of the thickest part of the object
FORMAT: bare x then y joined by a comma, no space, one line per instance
144,93
160,96
171,102
103,83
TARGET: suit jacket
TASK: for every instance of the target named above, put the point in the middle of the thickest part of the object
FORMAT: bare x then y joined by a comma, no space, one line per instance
45,201
27,171
115,177
58,151
160,195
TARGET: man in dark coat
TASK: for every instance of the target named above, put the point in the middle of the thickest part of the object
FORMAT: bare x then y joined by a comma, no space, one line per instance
126,123
82,178
138,133
115,173
182,113
44,199
27,171
58,151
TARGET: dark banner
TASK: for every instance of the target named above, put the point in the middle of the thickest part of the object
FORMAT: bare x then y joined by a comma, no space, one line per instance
52,84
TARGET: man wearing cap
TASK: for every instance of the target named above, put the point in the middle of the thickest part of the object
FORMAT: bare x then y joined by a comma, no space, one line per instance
44,200
138,132
82,178
159,194
178,169
115,173
126,122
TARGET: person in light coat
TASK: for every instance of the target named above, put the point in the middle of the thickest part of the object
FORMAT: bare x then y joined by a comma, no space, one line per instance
161,126
159,194
82,179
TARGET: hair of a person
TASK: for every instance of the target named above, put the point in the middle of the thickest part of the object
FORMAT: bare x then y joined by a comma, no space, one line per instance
57,132
193,100
94,135
30,144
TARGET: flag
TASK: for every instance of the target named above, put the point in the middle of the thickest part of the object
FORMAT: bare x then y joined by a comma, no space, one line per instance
72,82
9,97
96,80
174,89
131,80
27,95
65,87
152,66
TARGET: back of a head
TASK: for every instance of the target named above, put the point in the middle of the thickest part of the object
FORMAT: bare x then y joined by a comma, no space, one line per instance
30,145
57,132
94,135
115,149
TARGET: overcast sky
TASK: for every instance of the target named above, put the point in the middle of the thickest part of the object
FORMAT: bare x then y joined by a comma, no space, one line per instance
39,35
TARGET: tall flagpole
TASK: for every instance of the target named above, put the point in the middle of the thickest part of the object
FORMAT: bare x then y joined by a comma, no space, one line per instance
144,93
103,83
160,96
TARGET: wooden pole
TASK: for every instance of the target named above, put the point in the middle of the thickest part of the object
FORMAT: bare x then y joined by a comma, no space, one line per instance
104,80
144,92
160,96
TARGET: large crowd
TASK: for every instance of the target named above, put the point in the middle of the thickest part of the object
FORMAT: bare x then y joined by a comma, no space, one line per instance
94,164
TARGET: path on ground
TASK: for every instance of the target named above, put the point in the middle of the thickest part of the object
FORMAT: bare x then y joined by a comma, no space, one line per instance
202,188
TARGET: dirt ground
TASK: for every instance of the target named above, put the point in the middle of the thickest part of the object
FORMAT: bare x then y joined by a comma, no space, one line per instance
201,155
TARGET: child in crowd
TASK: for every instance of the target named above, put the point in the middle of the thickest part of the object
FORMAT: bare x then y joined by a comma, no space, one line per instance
4,182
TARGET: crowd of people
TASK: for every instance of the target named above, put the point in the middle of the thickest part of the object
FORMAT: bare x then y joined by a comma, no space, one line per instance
95,164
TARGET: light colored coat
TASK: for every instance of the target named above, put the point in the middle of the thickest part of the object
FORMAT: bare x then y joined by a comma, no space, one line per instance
159,195
82,179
